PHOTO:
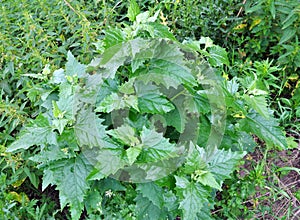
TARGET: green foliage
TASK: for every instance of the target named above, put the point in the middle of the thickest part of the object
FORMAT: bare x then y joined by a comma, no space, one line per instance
88,131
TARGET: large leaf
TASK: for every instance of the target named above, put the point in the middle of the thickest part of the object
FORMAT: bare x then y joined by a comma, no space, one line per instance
70,178
153,192
167,73
154,103
266,129
146,210
192,197
155,147
259,104
89,130
37,133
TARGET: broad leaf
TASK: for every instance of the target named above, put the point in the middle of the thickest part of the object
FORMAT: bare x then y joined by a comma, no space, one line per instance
192,197
73,67
153,192
266,129
70,178
89,130
259,104
37,133
155,147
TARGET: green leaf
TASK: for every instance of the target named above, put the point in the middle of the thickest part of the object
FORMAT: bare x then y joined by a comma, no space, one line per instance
218,56
37,133
73,67
167,73
259,104
155,146
70,178
113,36
132,153
89,130
222,163
115,102
207,179
146,210
287,34
192,197
153,192
266,129
125,134
154,103
133,10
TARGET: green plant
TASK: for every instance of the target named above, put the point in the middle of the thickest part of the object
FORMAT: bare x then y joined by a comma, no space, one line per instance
149,111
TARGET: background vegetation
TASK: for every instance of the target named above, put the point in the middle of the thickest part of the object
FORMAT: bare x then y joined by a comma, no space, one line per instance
261,38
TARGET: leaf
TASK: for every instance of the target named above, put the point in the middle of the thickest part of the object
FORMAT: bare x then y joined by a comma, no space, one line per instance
287,34
146,210
151,99
37,133
116,102
192,197
132,153
259,104
155,146
167,73
125,134
133,10
266,129
218,56
70,178
73,67
222,163
153,192
207,179
154,103
89,130
113,36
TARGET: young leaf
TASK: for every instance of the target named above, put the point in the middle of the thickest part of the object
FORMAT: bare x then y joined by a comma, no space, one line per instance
154,103
125,134
133,10
73,67
218,56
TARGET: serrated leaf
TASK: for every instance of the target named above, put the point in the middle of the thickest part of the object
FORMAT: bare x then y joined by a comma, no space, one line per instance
116,102
37,133
73,67
192,197
146,210
207,179
218,56
259,104
154,103
88,129
125,134
167,73
155,146
113,36
153,192
70,178
132,153
133,10
266,129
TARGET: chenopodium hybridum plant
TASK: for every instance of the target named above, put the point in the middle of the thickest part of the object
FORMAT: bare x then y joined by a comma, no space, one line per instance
150,112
